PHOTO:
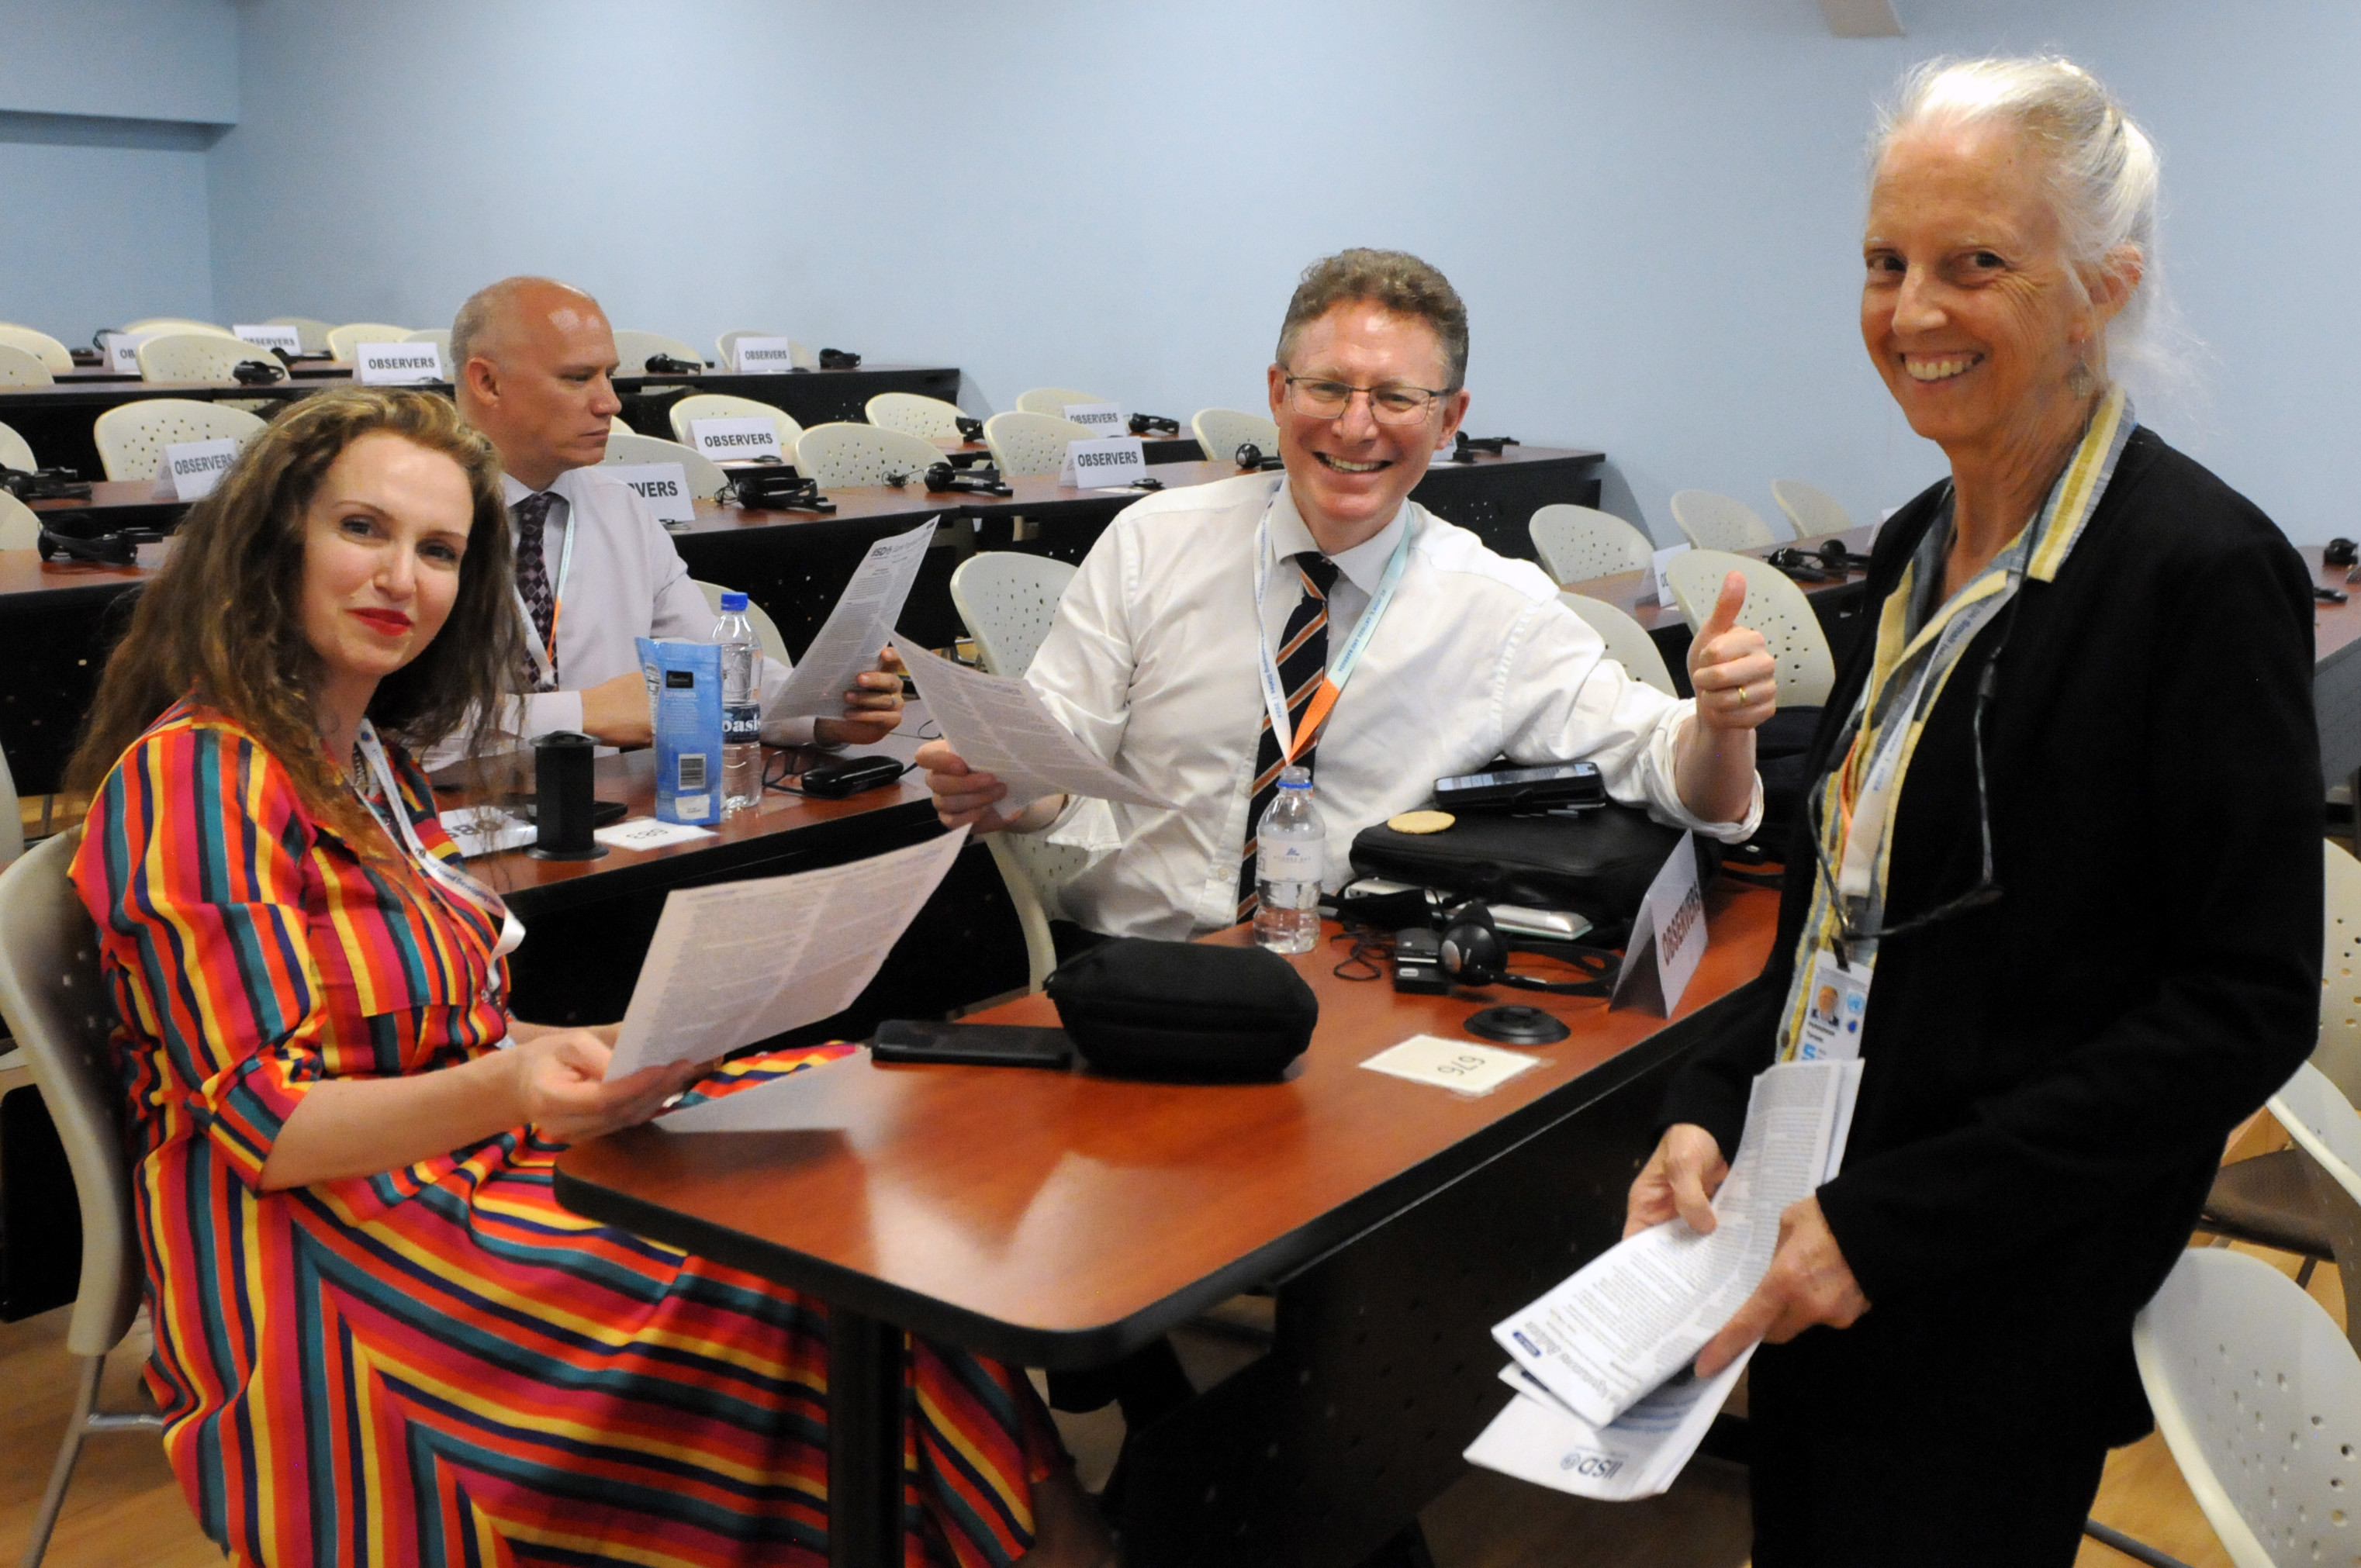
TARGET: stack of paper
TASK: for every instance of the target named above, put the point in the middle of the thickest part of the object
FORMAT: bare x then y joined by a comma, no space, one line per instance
1606,1406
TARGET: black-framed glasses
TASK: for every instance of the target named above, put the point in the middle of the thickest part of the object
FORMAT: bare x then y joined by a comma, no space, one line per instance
1392,403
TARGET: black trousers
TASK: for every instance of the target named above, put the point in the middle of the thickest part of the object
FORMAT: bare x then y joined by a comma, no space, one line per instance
1932,1441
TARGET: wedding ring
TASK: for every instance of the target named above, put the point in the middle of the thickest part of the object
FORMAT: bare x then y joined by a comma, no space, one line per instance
1741,696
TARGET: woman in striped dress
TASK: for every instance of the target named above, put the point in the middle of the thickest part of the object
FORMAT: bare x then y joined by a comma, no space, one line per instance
379,1337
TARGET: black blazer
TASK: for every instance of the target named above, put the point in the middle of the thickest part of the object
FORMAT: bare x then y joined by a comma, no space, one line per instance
2049,1078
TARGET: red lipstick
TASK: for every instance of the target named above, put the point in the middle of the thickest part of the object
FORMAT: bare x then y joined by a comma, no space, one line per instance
390,621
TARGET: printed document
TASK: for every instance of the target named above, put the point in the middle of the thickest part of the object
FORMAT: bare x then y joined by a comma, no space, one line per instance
999,726
861,623
742,962
1603,1360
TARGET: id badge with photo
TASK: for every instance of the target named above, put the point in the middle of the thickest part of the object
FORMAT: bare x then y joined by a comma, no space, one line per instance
1834,1010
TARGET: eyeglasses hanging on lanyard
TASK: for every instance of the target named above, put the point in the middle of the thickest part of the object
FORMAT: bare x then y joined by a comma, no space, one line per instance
1987,889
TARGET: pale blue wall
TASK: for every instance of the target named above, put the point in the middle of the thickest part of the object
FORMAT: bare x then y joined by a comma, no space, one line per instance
1652,209
106,109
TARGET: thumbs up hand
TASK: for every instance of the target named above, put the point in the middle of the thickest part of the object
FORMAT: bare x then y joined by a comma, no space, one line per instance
1730,666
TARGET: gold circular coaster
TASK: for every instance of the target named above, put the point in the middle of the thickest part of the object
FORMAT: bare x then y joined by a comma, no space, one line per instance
1421,821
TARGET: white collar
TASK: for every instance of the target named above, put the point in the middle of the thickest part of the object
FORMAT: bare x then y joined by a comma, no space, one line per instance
1364,565
513,489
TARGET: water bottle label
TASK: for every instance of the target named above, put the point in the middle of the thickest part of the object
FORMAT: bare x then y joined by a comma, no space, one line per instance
742,724
1291,860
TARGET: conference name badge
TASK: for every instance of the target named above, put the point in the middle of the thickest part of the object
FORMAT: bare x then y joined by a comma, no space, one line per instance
123,350
663,486
735,440
397,364
1835,1010
762,355
189,469
1099,419
266,336
1108,463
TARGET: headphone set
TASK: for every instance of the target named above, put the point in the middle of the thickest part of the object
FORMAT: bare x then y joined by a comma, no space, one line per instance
1828,564
839,359
1475,954
776,487
1465,447
983,479
44,484
255,373
671,365
120,548
968,429
1249,457
1145,425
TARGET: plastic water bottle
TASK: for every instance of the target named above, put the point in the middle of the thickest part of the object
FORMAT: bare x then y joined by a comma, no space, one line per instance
1290,857
742,706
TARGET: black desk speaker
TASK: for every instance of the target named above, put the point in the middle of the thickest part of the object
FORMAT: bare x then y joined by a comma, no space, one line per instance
563,803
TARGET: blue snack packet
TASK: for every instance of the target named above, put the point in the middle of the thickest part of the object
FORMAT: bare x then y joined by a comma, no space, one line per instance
684,708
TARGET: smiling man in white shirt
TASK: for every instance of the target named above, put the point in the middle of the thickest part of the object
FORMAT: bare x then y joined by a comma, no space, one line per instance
534,362
1191,639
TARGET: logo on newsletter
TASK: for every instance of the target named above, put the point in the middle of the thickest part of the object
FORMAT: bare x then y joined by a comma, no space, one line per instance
1531,1349
1591,1463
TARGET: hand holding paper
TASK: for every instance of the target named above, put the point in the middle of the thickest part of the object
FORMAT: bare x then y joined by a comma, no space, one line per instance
999,726
861,623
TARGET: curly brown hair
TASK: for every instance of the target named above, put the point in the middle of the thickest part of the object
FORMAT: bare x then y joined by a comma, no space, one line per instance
1393,278
222,622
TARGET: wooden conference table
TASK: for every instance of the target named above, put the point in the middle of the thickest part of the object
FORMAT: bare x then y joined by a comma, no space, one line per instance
1063,1220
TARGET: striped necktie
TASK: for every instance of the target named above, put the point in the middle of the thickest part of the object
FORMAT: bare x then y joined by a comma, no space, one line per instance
532,580
1303,662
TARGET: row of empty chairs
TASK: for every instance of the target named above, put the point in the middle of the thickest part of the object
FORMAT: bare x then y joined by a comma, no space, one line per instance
1711,521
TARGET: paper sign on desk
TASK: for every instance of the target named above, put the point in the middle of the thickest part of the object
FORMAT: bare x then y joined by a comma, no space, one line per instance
1455,1065
486,829
644,833
285,337
999,726
123,349
1656,565
737,440
397,364
861,624
1109,462
189,469
762,355
745,960
1671,926
663,486
1099,419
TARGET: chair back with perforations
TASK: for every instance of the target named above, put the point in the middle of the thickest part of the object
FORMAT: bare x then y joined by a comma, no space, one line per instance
310,331
843,453
440,337
721,405
21,367
2258,1397
1031,443
1813,510
1576,544
197,356
343,340
633,350
765,630
1053,400
20,528
177,323
705,477
1774,606
798,355
59,1013
1628,643
16,451
55,356
929,418
2339,1052
1007,600
1712,521
1221,431
131,437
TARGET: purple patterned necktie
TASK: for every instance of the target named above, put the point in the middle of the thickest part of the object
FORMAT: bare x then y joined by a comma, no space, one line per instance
532,583
1302,660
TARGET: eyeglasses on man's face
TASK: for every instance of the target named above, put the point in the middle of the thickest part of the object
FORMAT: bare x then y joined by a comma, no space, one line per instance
1394,402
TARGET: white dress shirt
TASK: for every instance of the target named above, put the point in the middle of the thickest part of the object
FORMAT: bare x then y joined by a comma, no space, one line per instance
1152,662
626,581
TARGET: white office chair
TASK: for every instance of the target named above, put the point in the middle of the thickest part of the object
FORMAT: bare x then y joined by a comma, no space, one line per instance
1026,443
2326,1131
131,437
1774,606
177,323
1712,521
774,645
634,349
1813,510
1052,400
197,356
929,418
59,1014
20,528
342,340
440,337
54,355
1576,544
721,405
705,480
1628,643
1221,431
22,367
310,331
799,354
16,451
1007,600
843,453
2338,1054
2259,1399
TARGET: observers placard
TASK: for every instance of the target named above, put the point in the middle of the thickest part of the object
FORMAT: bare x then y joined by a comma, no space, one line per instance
663,486
397,364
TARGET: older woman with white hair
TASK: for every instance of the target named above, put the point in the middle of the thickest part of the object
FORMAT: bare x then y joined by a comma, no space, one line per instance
2060,862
